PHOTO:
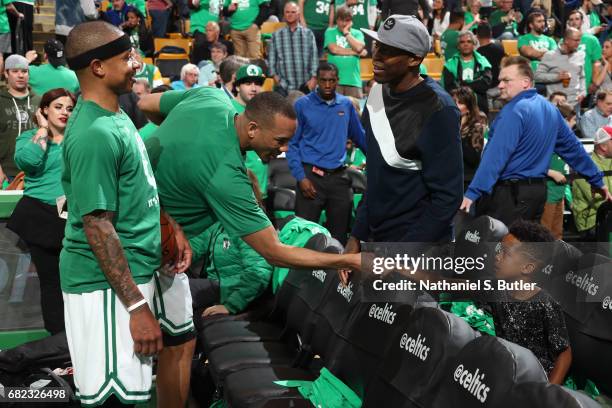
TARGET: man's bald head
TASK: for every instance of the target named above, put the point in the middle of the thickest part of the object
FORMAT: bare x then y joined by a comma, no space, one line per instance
90,35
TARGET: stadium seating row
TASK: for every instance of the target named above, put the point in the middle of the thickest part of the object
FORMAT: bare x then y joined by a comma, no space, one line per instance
401,350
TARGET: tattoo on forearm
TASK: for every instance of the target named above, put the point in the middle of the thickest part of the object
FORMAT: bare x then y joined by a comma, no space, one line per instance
106,247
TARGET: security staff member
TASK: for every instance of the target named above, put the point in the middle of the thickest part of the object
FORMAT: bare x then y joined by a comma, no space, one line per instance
512,174
318,149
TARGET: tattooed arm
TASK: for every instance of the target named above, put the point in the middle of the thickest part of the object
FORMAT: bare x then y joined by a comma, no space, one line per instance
105,244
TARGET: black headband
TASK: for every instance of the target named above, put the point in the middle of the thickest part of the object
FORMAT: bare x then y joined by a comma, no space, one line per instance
102,52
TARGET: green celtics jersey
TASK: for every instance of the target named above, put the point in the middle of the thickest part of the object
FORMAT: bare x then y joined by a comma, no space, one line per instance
316,13
360,12
537,42
245,14
106,168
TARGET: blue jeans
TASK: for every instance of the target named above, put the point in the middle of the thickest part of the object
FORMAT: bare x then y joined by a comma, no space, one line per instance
159,22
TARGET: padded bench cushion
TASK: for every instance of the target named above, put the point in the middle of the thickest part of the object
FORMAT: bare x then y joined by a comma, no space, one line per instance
238,356
253,387
234,331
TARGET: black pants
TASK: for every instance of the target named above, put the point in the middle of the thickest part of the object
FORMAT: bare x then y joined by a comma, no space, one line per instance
509,203
319,40
51,300
27,25
334,194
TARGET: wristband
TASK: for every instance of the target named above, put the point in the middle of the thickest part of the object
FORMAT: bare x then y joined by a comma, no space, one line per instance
136,305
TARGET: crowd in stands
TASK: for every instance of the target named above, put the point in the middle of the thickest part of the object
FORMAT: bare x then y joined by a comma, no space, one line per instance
493,58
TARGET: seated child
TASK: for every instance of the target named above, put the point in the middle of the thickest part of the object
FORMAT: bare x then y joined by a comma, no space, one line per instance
530,318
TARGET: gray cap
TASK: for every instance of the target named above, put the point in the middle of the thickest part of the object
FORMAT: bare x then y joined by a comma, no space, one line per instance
404,32
16,61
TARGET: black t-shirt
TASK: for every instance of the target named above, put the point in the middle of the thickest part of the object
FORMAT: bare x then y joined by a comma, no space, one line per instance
494,53
536,324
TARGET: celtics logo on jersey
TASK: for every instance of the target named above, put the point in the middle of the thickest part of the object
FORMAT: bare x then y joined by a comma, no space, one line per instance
341,41
226,244
23,116
468,74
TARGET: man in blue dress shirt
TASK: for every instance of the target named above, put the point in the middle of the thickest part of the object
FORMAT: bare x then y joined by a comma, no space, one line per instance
318,149
510,182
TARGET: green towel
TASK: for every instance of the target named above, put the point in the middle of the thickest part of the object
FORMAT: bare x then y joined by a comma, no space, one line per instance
475,317
589,387
326,391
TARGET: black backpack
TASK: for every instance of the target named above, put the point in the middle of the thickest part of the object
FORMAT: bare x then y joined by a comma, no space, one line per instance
32,365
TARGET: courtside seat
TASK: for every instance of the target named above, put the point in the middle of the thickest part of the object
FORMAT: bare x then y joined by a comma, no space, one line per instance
301,307
539,395
413,366
591,333
352,353
479,237
303,319
358,180
283,297
484,374
255,387
578,288
564,258
234,357
279,174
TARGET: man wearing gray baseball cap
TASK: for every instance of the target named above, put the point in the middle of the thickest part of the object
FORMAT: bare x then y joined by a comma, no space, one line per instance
415,165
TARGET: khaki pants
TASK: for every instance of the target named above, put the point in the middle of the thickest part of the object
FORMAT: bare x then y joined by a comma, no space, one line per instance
552,218
348,90
247,43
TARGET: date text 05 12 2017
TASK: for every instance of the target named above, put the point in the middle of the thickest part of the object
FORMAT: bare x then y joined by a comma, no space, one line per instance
22,394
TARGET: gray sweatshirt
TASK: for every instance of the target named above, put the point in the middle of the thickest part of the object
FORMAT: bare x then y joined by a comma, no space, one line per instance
553,62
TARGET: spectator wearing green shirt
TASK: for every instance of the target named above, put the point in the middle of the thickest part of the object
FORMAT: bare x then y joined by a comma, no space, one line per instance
318,16
469,68
450,37
140,36
472,15
54,73
202,12
249,80
585,204
557,189
38,153
345,45
591,21
504,21
245,18
535,44
365,13
591,47
139,5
